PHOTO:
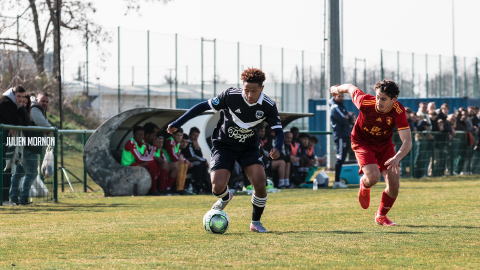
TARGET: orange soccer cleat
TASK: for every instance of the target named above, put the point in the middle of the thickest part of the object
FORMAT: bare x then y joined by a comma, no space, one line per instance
364,195
383,220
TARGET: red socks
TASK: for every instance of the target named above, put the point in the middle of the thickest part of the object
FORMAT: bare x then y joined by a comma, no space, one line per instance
171,180
162,180
385,204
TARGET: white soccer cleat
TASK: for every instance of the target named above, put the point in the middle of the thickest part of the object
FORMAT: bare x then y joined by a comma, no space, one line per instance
220,204
257,226
339,185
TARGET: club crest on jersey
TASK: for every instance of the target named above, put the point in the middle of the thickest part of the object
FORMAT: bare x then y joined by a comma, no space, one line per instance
259,114
389,120
215,101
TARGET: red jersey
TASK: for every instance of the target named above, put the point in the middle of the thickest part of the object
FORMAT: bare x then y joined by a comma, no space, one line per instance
373,127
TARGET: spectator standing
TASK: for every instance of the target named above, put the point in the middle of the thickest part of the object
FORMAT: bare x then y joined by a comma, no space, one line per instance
461,147
341,123
11,113
37,108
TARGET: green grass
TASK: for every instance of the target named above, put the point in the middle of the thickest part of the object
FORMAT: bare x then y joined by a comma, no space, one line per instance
438,218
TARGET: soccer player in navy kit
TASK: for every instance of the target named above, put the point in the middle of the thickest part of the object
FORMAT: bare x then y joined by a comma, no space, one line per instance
235,139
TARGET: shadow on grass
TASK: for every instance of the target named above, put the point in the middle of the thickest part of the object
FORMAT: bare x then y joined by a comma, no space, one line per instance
439,226
339,232
66,208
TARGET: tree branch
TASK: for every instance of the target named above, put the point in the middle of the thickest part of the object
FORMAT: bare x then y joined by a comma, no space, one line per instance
15,42
46,31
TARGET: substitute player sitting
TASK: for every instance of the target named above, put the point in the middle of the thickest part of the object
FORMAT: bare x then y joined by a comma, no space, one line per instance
372,142
235,139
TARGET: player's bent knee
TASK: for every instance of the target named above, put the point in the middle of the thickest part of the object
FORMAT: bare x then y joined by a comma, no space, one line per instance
373,176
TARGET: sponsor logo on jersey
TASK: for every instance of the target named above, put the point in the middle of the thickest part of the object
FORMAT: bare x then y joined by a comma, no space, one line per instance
238,111
215,101
379,119
389,120
375,131
259,114
239,133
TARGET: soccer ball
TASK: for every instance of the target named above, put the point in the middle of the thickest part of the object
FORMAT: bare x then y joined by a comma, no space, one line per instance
216,221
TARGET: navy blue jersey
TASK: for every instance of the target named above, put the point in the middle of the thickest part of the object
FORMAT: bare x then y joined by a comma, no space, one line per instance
239,119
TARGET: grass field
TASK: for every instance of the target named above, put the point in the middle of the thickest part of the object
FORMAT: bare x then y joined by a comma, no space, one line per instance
438,218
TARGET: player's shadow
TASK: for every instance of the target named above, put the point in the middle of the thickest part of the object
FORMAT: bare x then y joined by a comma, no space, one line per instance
440,226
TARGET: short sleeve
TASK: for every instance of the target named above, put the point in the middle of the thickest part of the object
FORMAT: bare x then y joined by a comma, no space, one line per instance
401,121
220,102
273,119
358,97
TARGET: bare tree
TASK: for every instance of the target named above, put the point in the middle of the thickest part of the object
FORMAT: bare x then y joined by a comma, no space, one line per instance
75,15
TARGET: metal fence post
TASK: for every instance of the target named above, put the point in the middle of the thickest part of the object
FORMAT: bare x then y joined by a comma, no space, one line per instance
412,156
355,74
260,56
303,90
214,67
476,77
469,168
283,108
84,141
398,67
413,75
381,65
440,78
451,155
118,65
1,171
55,167
86,65
148,68
426,74
465,91
176,70
238,65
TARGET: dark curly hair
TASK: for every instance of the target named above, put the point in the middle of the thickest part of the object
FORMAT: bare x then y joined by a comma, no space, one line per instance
253,75
388,87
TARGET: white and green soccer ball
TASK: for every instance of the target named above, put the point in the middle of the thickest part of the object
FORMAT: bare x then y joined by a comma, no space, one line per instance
216,221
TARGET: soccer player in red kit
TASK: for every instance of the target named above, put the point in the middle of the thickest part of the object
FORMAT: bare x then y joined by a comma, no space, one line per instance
372,142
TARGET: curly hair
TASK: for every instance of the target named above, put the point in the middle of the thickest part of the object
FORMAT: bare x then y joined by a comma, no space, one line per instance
253,75
388,87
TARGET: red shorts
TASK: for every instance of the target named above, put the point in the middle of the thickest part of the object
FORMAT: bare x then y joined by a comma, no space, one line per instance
373,154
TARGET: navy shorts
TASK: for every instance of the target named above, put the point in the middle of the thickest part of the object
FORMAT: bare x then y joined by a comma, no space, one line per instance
224,157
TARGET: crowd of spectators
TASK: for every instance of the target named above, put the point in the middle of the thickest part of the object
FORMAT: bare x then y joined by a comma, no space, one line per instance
445,142
17,107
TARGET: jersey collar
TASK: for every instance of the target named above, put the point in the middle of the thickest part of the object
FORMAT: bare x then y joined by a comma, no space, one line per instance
259,101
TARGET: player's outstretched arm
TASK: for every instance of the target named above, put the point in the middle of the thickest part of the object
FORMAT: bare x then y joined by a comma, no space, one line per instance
406,137
344,88
279,139
192,113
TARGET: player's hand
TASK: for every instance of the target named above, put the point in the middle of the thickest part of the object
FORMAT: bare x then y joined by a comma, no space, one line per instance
294,159
274,153
171,129
334,90
190,165
12,132
392,164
